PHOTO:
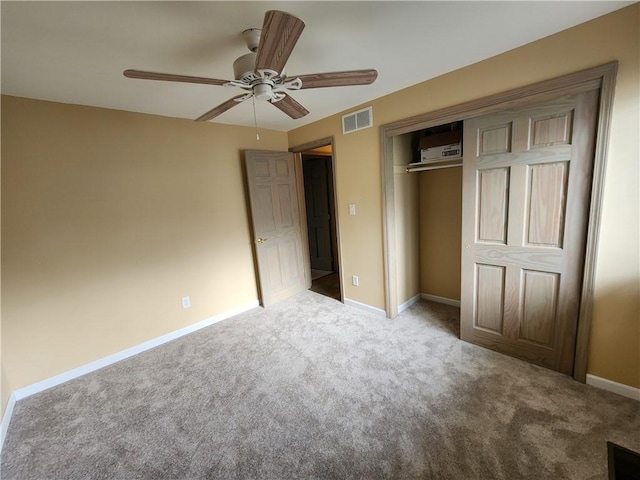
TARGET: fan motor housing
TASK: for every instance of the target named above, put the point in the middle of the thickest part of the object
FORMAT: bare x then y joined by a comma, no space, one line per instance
243,68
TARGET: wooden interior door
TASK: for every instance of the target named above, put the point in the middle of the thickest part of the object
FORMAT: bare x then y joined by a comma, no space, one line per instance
526,192
316,191
275,215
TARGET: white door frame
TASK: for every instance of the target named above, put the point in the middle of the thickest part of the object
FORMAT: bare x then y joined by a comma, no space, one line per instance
601,77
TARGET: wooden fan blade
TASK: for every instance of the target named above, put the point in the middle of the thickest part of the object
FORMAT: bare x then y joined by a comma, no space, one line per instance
223,107
168,77
337,79
280,33
292,108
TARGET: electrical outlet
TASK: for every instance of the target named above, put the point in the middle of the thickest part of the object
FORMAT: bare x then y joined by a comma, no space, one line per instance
352,209
355,280
186,302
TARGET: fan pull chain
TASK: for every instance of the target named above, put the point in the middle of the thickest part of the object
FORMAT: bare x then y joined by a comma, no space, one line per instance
255,118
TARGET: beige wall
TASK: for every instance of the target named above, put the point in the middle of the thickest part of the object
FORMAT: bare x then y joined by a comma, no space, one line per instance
407,214
440,232
108,219
615,339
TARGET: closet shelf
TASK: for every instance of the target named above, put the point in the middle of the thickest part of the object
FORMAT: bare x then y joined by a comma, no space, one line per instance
424,166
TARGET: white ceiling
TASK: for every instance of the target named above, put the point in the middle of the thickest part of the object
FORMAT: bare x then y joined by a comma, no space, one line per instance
75,52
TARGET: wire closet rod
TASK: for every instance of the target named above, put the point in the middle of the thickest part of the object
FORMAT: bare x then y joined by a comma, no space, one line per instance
433,167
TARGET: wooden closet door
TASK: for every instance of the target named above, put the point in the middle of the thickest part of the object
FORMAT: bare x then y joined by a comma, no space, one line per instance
526,191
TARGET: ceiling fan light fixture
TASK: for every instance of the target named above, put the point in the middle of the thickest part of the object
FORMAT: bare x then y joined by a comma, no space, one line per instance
263,91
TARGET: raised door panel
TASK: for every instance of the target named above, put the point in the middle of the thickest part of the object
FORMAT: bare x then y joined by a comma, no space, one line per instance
261,169
265,218
493,193
550,130
547,194
289,255
287,209
494,139
271,255
490,297
284,168
539,307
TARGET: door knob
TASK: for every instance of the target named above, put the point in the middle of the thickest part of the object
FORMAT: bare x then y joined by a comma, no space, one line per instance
262,240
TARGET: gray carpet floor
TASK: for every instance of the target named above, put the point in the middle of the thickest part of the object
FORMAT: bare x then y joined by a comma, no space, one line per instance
314,389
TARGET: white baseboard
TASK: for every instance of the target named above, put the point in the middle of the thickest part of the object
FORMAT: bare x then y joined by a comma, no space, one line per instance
615,387
111,359
364,306
129,352
408,303
446,301
404,306
6,419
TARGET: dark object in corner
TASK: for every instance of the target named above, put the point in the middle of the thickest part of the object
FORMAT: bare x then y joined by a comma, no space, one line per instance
624,464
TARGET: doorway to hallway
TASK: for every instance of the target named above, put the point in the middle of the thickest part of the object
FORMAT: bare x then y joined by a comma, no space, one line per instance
319,194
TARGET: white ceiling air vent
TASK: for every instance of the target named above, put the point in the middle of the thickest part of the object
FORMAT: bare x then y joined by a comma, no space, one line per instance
355,121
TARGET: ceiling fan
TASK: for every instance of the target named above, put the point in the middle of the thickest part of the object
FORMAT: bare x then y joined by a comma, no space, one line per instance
261,72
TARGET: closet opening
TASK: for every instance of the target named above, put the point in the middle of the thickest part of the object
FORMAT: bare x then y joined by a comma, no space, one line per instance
428,214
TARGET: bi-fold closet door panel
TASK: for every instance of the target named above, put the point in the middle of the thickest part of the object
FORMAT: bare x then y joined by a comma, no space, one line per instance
526,189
